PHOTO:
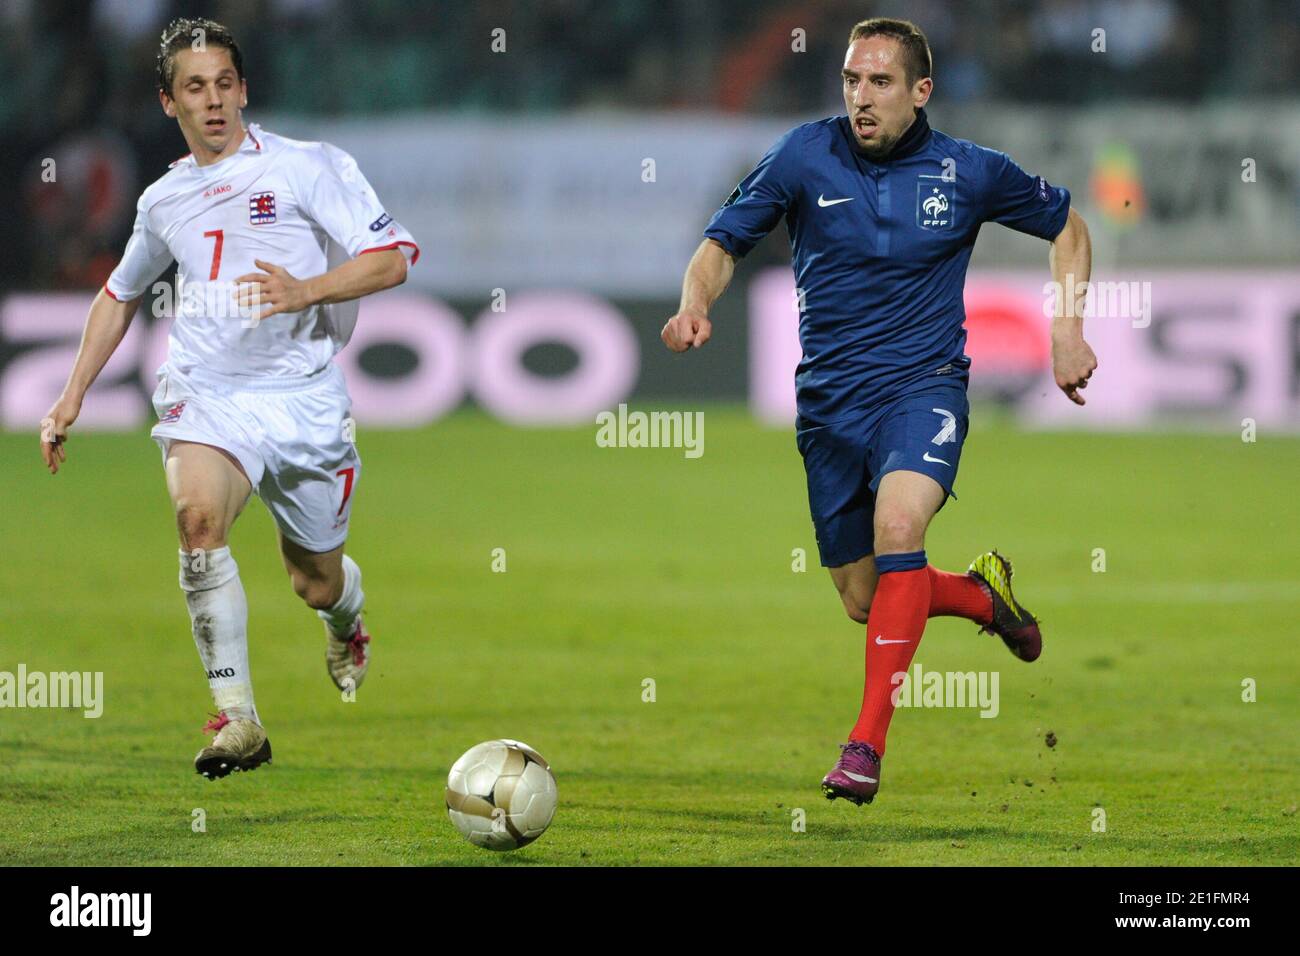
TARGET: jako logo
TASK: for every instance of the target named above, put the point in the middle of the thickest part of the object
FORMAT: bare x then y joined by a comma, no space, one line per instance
221,672
103,909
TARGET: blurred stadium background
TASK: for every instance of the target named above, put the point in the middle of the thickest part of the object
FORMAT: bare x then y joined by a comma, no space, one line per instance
558,189
559,185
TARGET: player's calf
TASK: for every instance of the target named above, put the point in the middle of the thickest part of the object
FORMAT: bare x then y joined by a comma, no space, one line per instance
330,583
856,584
218,610
347,643
318,593
858,611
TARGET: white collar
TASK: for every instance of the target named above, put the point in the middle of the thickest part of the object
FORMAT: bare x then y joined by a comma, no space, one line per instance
253,143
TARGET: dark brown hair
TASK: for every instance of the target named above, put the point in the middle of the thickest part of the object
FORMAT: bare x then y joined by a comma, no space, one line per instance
180,35
917,63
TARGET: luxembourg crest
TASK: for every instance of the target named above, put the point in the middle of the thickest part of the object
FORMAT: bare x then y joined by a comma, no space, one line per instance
261,209
934,202
172,414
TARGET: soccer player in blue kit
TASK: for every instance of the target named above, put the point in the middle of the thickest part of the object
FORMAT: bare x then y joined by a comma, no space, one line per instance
882,213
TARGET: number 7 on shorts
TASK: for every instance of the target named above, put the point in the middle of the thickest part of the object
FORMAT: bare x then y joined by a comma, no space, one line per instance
348,475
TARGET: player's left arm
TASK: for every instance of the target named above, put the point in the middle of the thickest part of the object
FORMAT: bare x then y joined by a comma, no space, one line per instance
1073,361
333,194
274,290
1029,204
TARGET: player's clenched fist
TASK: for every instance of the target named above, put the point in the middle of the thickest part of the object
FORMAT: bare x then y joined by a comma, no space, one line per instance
274,291
1073,363
54,430
686,329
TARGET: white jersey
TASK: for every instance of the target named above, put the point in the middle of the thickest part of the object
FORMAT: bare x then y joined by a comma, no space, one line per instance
303,206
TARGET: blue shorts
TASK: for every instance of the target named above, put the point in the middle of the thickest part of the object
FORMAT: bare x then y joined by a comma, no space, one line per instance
845,460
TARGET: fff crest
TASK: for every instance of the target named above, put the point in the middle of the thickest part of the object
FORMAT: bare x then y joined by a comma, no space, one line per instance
935,201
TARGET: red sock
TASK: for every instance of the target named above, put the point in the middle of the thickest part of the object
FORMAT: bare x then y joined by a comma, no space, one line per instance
958,595
897,617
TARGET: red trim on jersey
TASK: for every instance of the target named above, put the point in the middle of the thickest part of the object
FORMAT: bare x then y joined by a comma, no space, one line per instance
249,131
179,161
111,296
415,256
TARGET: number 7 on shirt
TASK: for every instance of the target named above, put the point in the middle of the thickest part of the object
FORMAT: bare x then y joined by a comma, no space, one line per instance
219,235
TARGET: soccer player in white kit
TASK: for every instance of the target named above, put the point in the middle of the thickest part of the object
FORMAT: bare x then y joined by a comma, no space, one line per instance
249,400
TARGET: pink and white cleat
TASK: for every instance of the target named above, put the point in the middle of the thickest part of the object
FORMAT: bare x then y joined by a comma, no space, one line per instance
239,744
348,659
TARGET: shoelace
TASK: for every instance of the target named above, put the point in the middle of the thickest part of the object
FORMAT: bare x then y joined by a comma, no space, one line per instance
358,644
859,757
216,723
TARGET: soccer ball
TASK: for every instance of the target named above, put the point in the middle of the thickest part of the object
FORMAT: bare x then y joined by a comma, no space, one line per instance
501,794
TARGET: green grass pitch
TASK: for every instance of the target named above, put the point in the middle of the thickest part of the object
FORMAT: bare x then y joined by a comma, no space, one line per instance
628,564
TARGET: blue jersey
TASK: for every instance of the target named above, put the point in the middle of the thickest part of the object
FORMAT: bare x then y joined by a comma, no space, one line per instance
880,251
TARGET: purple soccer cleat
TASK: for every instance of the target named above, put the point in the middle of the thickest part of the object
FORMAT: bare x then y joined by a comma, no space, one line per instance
856,775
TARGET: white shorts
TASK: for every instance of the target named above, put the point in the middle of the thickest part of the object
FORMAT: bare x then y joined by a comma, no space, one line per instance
293,437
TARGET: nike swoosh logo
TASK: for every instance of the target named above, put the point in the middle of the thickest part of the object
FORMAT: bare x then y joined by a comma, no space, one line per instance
940,461
824,202
880,639
859,778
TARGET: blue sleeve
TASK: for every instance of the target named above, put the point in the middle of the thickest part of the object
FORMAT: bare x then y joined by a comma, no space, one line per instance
756,205
1020,201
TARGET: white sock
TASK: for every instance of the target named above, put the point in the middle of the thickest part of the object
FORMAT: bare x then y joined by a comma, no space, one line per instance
342,617
219,618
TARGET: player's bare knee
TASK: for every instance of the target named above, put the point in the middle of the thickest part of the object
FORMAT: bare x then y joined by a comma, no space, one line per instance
899,530
199,525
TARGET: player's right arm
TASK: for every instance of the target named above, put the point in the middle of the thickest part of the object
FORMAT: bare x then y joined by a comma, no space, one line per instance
106,326
145,258
707,277
750,213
